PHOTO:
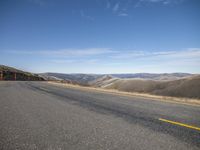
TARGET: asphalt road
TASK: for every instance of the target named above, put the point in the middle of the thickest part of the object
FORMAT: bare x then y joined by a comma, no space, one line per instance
38,115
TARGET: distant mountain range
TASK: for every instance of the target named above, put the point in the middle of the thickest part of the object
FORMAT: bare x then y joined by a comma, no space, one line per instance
165,84
81,79
154,76
85,79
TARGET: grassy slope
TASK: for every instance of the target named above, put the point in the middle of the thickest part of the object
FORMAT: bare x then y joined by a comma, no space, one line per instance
189,87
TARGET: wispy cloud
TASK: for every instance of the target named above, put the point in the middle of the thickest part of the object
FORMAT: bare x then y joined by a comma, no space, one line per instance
165,2
154,1
38,2
108,4
119,10
188,53
110,53
186,60
65,52
72,61
123,14
116,7
63,61
83,15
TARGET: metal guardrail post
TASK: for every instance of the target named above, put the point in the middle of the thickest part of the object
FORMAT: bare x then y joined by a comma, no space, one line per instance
15,76
1,75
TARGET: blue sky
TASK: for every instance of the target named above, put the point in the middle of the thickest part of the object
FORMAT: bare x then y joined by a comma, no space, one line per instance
100,36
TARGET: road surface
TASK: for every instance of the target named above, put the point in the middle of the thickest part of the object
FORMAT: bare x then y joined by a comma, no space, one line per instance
39,115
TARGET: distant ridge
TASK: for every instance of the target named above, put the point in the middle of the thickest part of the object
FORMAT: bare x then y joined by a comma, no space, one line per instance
81,79
154,76
86,79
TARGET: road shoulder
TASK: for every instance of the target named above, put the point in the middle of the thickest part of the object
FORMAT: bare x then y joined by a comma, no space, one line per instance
176,100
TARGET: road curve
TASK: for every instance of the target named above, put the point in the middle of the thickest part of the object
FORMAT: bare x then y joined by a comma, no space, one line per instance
42,116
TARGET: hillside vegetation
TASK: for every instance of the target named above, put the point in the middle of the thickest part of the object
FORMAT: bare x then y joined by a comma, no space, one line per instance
9,73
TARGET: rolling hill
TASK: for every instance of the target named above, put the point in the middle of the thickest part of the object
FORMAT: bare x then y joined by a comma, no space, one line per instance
153,76
187,87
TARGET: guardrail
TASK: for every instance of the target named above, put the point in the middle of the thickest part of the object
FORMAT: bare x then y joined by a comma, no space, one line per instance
13,75
1,75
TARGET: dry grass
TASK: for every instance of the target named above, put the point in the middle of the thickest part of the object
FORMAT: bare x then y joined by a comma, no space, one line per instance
187,87
186,101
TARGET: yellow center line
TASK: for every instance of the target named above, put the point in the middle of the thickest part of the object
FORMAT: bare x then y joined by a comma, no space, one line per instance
180,124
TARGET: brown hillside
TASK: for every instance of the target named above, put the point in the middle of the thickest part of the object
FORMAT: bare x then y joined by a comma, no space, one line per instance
188,87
